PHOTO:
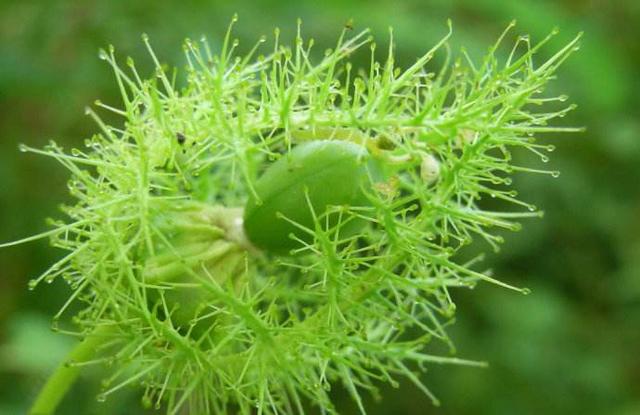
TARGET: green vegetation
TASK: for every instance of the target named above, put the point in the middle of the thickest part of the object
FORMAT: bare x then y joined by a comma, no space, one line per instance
131,219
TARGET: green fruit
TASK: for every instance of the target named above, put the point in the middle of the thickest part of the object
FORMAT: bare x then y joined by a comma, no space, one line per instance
334,173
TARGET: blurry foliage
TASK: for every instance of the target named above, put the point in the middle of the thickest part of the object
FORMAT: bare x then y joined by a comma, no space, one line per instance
570,347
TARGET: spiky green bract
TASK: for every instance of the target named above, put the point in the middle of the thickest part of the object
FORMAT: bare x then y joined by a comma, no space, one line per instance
360,310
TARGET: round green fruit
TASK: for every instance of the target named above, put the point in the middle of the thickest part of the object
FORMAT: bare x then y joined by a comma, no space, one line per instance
331,173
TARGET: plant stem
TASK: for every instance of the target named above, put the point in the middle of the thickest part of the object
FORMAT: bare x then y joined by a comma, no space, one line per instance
66,373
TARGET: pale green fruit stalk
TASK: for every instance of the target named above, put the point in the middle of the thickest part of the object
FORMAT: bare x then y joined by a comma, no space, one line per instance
178,301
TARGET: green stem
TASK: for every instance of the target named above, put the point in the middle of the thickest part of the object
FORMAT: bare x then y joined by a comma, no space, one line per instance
65,374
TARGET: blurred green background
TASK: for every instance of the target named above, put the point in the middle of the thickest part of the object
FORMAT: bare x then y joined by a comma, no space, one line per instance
572,347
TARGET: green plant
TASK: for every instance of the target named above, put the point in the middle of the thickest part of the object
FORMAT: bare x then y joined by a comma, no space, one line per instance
178,300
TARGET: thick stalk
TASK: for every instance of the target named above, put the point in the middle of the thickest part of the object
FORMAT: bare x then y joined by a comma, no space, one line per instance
66,373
